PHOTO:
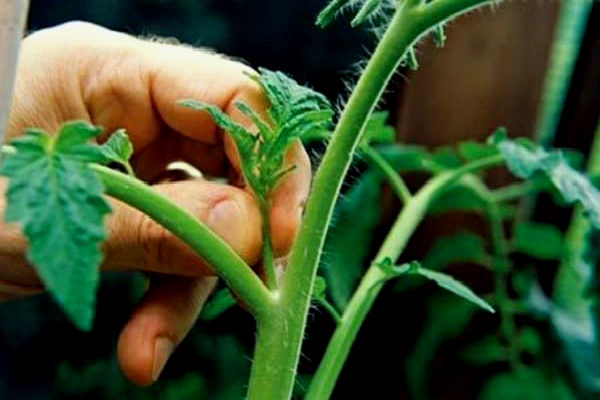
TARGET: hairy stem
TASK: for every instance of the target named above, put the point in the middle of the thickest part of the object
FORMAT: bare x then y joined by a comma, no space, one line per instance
236,273
13,14
274,369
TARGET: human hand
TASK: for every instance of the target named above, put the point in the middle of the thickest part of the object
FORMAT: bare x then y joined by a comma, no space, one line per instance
82,71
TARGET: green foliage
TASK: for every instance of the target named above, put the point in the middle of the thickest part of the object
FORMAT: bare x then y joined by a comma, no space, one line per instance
472,151
528,383
356,216
447,317
295,111
57,200
444,281
377,130
220,302
524,160
537,240
461,247
118,149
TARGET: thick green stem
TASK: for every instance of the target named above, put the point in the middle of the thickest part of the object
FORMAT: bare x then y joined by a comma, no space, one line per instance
274,368
236,273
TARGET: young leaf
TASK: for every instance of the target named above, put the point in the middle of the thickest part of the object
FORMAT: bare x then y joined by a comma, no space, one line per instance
460,247
295,111
118,149
445,156
541,241
444,281
57,200
524,161
377,129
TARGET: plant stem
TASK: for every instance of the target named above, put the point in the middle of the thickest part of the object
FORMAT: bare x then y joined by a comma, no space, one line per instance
13,15
236,273
502,266
397,183
274,368
268,258
412,214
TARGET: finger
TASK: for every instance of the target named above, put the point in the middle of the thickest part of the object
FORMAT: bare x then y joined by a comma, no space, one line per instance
158,324
288,199
137,242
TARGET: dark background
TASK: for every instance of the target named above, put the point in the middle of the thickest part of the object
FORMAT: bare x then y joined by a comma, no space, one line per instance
43,357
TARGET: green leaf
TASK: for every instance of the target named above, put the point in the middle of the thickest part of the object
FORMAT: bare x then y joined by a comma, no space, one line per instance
526,383
472,151
446,157
484,351
295,111
537,240
319,288
524,161
377,130
447,317
458,198
444,281
356,216
118,148
404,157
57,200
458,248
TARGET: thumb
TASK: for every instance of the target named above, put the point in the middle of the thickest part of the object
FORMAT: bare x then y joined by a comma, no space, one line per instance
136,242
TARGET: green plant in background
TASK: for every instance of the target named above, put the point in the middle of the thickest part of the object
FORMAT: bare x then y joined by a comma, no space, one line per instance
71,227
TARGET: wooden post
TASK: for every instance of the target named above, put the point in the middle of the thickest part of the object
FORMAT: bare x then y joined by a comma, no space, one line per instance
13,15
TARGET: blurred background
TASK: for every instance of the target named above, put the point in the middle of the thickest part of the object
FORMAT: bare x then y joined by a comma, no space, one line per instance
490,73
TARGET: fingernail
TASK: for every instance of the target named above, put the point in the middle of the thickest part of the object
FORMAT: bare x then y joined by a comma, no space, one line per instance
163,348
225,219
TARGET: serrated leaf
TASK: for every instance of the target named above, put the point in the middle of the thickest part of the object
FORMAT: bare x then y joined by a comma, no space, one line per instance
294,111
458,248
444,281
118,148
377,130
574,186
541,241
356,216
57,200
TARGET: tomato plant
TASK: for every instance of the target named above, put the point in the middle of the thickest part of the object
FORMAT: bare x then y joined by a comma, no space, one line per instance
56,187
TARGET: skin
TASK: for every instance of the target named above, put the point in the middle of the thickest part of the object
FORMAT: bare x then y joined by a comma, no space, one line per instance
82,71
